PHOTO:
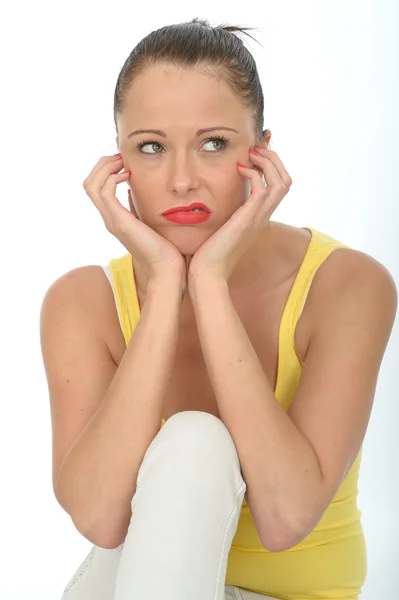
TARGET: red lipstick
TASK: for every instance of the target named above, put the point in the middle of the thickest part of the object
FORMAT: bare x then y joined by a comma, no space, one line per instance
186,208
186,215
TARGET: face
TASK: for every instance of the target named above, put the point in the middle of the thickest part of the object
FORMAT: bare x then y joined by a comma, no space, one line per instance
181,167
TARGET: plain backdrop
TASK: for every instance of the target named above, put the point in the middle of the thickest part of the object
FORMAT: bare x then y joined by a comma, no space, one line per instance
330,76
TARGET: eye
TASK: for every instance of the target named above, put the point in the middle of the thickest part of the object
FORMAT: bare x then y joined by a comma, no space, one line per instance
148,143
223,140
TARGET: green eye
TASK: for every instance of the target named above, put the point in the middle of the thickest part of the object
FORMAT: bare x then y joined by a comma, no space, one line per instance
148,143
224,141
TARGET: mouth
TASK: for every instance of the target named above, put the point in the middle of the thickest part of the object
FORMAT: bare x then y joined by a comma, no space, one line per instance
197,207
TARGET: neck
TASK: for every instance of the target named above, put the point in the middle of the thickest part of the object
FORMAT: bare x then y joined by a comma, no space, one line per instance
265,263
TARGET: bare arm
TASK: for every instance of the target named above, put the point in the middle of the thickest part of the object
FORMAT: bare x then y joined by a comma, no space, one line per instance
97,479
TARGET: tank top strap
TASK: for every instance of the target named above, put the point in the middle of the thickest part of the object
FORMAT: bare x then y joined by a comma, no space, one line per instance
122,273
320,247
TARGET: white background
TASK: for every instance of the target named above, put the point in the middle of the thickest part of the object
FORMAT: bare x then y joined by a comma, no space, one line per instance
330,79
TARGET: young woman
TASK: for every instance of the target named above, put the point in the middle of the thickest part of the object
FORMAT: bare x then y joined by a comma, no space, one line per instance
211,389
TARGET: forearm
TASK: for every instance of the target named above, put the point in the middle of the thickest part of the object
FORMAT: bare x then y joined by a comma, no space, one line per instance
98,477
279,465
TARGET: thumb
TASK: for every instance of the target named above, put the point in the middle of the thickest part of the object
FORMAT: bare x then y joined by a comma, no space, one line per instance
131,205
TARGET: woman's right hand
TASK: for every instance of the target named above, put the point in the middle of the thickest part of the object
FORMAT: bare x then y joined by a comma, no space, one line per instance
157,256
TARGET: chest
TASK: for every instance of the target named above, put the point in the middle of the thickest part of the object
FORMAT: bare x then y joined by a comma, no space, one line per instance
189,386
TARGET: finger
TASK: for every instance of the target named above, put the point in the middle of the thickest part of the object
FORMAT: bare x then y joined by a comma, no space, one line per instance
255,177
131,205
102,189
276,162
272,176
99,165
93,183
108,191
101,174
258,190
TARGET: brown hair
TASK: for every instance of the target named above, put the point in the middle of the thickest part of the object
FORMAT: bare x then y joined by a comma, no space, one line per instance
197,44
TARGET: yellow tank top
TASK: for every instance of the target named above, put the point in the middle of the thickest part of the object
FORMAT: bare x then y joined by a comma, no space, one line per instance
331,563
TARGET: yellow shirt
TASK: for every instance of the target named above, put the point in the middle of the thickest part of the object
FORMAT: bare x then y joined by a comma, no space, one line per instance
331,563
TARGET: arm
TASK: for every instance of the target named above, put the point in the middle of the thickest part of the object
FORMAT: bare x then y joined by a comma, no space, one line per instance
97,479
294,462
278,463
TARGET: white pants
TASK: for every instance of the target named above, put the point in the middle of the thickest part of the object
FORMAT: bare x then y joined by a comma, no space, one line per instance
185,513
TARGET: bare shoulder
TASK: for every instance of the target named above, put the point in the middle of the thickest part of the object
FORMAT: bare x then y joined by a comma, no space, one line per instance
350,271
83,282
344,264
88,287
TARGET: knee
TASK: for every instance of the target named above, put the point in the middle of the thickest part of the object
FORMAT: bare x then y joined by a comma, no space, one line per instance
189,423
201,431
194,438
193,452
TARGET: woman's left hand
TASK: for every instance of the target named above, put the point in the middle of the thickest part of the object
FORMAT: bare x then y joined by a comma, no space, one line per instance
218,256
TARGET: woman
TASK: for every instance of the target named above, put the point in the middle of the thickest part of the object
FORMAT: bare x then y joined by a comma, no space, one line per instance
256,346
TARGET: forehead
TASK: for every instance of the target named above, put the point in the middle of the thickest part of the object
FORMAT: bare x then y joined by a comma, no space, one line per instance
182,94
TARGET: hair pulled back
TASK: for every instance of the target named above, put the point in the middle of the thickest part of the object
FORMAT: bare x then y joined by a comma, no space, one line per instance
212,50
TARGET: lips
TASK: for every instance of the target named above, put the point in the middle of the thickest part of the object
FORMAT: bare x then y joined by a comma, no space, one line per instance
187,208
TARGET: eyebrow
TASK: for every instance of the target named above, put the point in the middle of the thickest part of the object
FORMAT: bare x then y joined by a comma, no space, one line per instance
163,134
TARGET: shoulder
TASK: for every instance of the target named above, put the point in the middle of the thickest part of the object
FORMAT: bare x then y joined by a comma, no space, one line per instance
86,288
350,277
84,281
346,265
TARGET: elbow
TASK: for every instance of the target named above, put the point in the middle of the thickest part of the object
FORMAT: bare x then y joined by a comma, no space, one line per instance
110,534
279,543
279,538
99,537
285,537
276,544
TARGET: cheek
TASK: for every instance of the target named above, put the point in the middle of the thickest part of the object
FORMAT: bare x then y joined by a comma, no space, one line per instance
235,192
240,188
144,192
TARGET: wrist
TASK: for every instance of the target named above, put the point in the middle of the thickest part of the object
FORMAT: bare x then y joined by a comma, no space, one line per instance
205,283
172,282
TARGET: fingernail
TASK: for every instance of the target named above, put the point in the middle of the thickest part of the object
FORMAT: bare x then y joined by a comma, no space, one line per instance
125,171
255,153
240,165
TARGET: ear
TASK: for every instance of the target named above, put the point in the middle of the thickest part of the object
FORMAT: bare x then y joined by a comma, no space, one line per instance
267,134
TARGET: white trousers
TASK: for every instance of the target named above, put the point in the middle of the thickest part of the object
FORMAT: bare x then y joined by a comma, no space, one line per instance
185,513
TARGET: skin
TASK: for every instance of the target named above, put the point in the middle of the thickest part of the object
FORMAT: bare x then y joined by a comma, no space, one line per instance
182,168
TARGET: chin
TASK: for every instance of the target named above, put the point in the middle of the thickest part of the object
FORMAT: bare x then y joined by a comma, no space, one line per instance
187,239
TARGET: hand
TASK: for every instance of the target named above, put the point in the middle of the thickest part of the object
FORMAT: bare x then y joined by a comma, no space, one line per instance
218,256
156,255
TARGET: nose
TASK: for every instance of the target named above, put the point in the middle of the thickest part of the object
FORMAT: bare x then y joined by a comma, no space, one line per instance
183,175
